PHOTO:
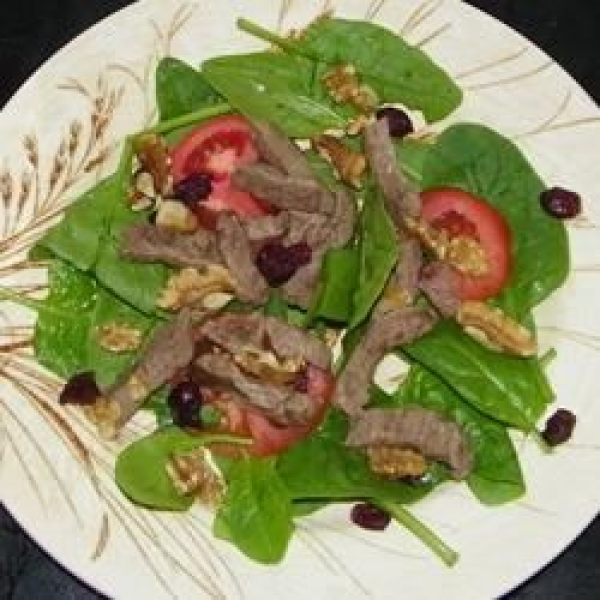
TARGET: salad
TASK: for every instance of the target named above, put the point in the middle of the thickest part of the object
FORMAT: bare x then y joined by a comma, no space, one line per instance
256,255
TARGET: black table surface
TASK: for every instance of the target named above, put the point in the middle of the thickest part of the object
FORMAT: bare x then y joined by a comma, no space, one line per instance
32,30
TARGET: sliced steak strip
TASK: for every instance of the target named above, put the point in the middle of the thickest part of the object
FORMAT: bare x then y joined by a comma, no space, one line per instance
236,332
278,150
386,332
439,282
418,429
170,350
333,233
237,256
268,227
147,243
402,200
283,191
280,404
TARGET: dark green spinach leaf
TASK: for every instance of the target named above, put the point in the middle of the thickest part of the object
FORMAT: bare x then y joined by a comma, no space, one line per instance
378,249
509,389
181,89
256,512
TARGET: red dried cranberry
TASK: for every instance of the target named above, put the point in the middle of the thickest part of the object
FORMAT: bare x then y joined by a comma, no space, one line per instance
193,189
559,427
398,121
278,263
185,403
560,203
368,516
81,389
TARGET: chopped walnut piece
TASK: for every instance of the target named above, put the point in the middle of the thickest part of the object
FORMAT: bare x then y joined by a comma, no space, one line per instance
343,85
196,473
464,253
192,287
119,337
175,215
105,414
395,463
490,326
152,153
267,367
350,165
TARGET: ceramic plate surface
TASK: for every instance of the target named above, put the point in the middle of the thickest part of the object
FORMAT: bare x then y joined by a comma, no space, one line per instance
61,132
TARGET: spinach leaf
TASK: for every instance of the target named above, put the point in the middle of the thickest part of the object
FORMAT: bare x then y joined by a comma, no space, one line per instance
496,477
378,249
275,87
486,164
181,89
66,333
322,467
396,71
337,284
256,512
141,469
509,389
88,237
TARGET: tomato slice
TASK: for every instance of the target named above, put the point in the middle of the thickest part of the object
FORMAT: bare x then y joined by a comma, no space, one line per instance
461,213
269,439
217,147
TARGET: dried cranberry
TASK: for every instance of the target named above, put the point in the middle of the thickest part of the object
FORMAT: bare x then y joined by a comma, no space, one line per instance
278,263
193,189
368,516
185,402
560,203
398,121
80,389
559,427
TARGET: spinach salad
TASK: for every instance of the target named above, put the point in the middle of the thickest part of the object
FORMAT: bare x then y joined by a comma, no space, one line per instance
281,206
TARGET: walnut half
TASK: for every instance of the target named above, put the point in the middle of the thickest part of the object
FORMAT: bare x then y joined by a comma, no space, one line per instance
210,288
490,326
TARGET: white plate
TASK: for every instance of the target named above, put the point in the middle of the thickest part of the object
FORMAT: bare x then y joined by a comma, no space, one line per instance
55,476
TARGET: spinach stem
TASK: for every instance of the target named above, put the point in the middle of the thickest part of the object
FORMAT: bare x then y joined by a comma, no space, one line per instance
268,36
547,358
421,531
190,118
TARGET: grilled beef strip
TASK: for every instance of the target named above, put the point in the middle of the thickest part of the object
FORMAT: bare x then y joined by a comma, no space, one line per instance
333,233
402,200
439,282
236,252
148,243
283,191
417,428
236,332
281,404
170,350
267,227
385,332
275,148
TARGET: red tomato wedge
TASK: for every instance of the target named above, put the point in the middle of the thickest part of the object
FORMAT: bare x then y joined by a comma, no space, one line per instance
461,213
217,147
269,439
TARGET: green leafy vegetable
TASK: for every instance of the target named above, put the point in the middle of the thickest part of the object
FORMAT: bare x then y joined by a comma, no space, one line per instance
277,88
396,71
337,284
322,467
509,389
66,339
496,477
181,89
141,469
256,512
378,248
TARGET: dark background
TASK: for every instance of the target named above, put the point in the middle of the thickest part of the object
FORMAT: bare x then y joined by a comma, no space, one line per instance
32,30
